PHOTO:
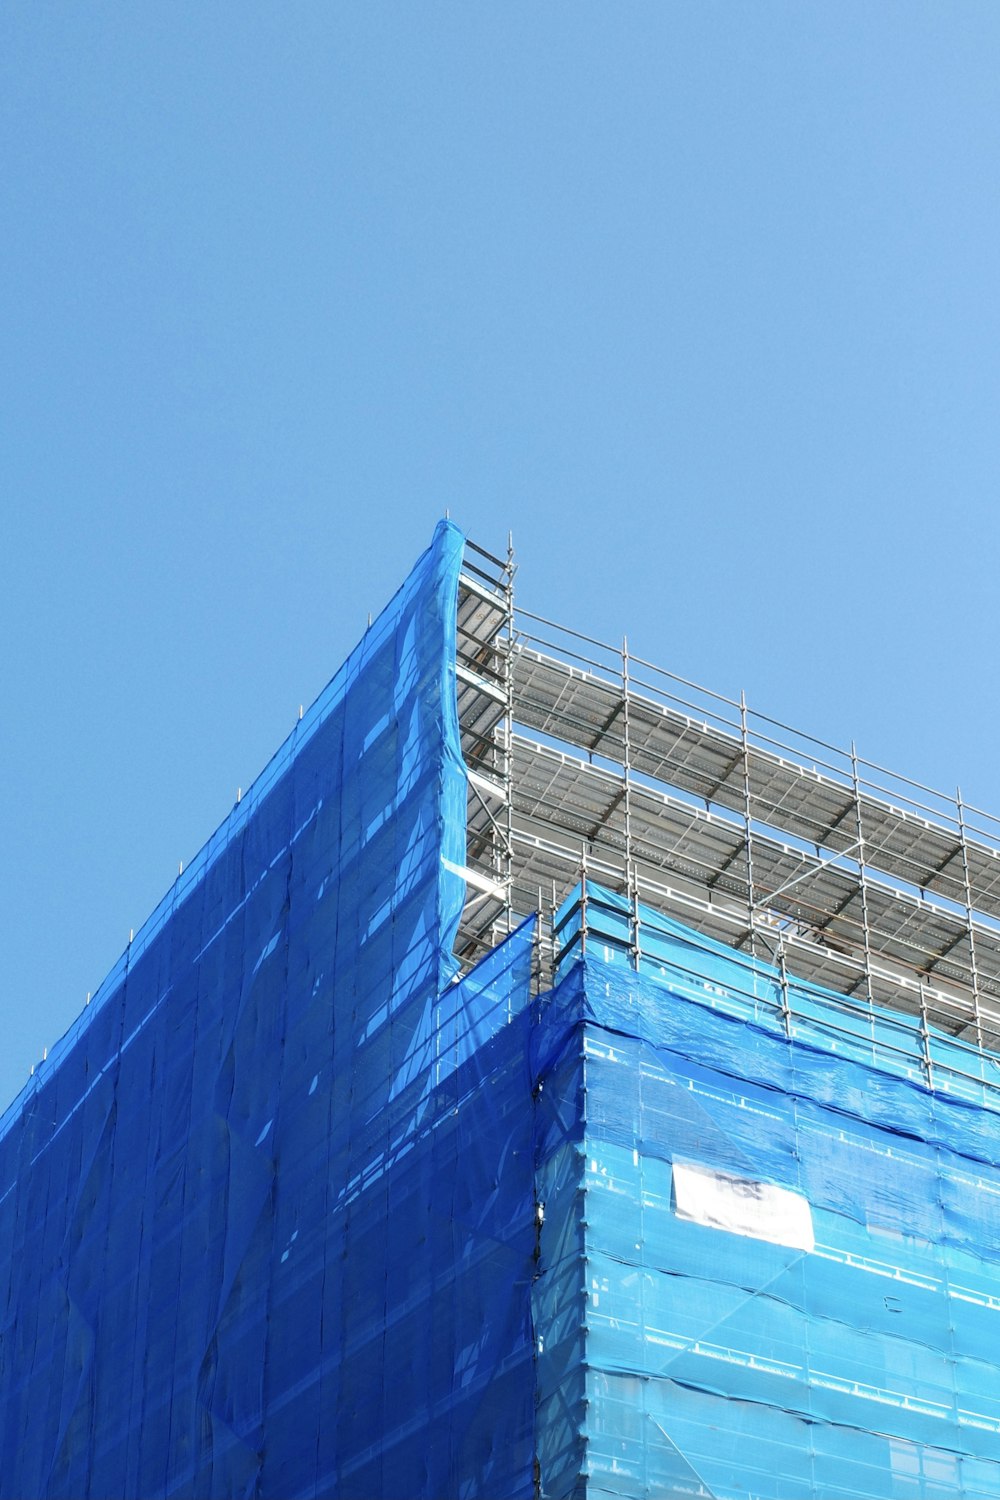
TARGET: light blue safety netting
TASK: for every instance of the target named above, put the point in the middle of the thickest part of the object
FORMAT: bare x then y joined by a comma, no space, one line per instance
266,1213
790,1254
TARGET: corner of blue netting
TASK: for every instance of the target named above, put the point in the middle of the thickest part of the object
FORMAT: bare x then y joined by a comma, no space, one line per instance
445,556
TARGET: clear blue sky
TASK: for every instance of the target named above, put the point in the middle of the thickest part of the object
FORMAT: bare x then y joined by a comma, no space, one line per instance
701,300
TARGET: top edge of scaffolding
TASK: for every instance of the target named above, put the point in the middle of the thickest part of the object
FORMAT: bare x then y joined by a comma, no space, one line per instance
877,885
615,654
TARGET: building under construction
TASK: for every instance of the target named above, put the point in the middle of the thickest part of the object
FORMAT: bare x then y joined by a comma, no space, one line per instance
552,1079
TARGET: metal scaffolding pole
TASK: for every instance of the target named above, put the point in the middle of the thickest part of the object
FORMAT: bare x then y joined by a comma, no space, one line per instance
786,1008
866,930
747,817
967,878
925,1036
507,647
583,903
631,882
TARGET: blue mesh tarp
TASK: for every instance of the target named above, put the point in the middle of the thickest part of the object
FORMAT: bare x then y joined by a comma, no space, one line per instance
266,1214
721,1353
294,1211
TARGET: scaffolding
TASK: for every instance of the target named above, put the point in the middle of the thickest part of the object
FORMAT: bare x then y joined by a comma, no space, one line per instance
432,1235
587,760
484,656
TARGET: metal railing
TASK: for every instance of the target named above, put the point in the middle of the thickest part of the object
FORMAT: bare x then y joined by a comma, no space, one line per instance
902,849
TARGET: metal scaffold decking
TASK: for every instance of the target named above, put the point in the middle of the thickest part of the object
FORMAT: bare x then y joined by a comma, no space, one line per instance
584,757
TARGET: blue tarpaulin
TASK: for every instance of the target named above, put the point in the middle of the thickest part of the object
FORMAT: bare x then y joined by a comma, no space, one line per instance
294,1210
788,1254
266,1214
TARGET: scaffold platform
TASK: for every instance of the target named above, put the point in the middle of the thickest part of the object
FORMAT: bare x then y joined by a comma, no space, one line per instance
589,761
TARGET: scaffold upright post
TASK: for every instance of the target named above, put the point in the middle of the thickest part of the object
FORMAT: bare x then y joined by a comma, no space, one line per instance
747,820
631,882
583,903
508,734
786,1008
863,879
967,878
554,941
925,1038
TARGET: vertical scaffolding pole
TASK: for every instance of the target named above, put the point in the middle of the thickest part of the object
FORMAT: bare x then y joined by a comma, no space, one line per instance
967,878
583,903
925,1036
631,882
507,873
553,908
786,1009
747,816
866,930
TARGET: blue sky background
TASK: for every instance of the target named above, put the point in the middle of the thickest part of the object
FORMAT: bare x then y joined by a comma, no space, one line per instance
701,300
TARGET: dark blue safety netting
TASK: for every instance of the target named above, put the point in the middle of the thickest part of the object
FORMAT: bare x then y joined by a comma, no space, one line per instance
788,1245
267,1220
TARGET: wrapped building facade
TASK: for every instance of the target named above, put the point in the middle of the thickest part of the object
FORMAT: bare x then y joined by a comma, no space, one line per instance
550,1080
